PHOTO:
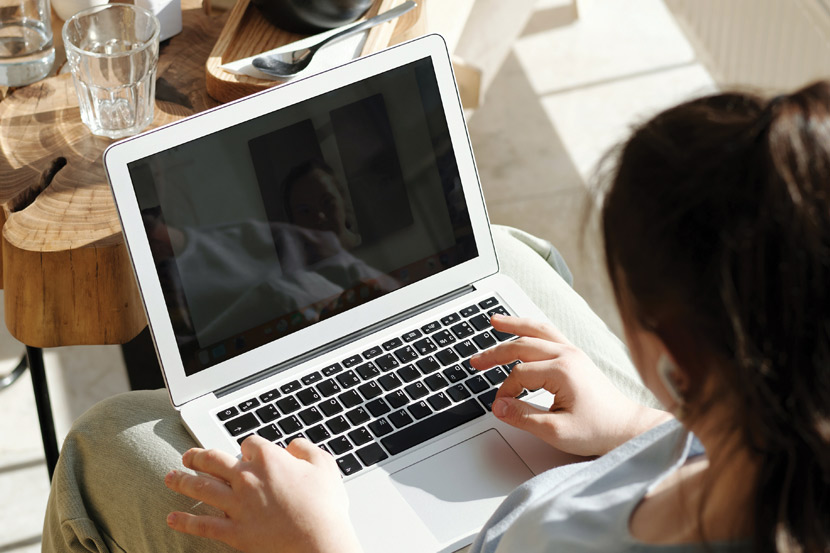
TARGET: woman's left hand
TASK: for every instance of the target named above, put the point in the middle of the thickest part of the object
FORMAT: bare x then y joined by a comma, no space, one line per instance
274,499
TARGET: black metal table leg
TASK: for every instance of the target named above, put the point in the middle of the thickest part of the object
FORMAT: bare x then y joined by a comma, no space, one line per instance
44,408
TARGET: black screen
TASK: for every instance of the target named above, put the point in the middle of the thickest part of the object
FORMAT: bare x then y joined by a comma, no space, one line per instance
271,225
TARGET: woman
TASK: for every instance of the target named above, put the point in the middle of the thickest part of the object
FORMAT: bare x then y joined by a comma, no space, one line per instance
717,238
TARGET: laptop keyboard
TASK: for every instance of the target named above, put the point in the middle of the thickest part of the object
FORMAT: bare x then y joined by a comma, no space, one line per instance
387,399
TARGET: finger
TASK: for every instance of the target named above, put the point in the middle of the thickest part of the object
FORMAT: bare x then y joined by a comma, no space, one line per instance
254,446
532,328
211,461
524,416
202,488
302,448
530,376
206,526
524,349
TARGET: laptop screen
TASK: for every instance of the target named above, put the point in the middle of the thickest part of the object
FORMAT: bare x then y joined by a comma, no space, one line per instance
269,226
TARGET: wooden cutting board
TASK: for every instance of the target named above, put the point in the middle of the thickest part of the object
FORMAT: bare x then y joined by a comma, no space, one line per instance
247,33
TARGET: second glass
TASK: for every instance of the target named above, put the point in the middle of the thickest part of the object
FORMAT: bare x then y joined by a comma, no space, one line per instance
112,51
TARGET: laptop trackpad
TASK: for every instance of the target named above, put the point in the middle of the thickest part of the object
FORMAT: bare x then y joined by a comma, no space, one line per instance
455,491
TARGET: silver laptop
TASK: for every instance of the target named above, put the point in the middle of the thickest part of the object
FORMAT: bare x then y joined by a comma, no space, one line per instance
315,260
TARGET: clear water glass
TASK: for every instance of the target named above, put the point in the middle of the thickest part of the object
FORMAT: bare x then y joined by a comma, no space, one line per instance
26,50
112,51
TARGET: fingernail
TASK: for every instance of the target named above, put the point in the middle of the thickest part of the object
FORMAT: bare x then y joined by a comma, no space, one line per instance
171,519
169,476
500,408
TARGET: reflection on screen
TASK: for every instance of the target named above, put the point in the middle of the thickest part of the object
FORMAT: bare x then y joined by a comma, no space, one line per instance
269,226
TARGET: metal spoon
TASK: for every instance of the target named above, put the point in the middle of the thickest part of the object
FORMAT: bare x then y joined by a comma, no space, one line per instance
288,64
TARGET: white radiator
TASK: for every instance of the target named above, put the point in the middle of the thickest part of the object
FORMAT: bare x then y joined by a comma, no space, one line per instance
767,44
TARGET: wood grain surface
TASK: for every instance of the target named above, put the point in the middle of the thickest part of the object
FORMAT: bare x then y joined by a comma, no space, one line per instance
65,270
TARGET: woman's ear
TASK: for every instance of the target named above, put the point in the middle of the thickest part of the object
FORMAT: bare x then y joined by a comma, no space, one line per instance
673,379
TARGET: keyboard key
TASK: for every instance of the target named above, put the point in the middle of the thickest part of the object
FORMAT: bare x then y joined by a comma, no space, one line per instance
392,344
497,310
447,357
480,322
242,424
419,410
288,405
397,399
270,432
357,416
310,415
495,376
352,361
380,427
289,425
268,413
452,318
268,397
290,439
477,384
317,434
332,369
360,436
350,399
488,303
371,454
436,382
455,374
248,405
443,338
458,392
339,445
425,346
400,418
462,330
433,426
487,398
389,381
416,390
348,464
431,327
243,438
412,335
439,401
406,354
308,396
378,407
329,387
387,362
227,413
484,340
468,312
467,367
369,390
428,365
311,378
502,336
509,367
330,407
367,371
408,373
348,379
338,424
465,349
291,387
372,352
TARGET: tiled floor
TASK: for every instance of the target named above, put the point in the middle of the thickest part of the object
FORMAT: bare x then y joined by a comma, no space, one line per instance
558,96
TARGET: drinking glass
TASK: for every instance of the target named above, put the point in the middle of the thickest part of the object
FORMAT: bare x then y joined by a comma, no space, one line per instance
26,50
112,51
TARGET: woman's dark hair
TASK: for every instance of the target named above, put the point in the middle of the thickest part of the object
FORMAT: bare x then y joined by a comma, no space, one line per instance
717,237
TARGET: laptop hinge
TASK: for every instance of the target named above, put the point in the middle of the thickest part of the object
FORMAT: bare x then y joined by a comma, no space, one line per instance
349,338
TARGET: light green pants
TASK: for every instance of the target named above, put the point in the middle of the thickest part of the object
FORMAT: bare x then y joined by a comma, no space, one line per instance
108,490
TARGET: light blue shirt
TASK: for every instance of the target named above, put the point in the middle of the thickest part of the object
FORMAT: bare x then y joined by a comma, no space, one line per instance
585,507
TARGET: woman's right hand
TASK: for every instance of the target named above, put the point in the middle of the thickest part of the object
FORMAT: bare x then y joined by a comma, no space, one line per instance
589,416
